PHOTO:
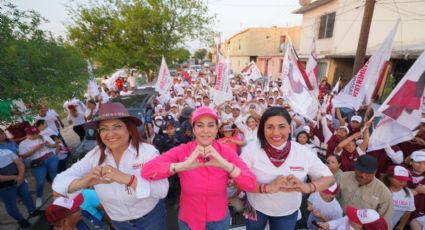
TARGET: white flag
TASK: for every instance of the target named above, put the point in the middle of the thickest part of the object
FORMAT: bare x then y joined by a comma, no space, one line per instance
401,111
110,82
164,78
360,89
251,71
294,87
92,89
312,69
222,71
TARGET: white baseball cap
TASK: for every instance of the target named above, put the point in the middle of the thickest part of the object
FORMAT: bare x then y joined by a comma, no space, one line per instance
356,118
368,218
399,172
345,128
333,190
418,156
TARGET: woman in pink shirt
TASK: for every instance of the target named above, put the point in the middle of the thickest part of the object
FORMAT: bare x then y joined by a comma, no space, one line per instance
204,167
229,139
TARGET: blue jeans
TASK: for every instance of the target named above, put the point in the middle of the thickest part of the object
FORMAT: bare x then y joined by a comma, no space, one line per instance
50,166
275,222
154,220
214,225
8,196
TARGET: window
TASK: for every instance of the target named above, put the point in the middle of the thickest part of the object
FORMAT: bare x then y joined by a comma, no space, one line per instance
322,69
326,25
282,41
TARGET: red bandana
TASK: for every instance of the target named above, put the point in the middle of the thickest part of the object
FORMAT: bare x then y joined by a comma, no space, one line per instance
277,157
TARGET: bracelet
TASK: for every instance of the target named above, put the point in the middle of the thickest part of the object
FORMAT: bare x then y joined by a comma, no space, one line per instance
131,180
263,188
173,168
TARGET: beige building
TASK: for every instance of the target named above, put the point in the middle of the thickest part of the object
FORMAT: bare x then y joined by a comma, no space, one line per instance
335,24
265,46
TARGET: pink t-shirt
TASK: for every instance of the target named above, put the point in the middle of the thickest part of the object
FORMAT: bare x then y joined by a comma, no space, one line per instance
229,143
203,196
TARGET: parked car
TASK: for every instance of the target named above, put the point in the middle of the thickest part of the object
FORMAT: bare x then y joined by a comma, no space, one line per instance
138,104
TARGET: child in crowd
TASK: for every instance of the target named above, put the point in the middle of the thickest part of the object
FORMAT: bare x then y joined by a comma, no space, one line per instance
62,152
229,139
403,201
417,171
323,206
357,219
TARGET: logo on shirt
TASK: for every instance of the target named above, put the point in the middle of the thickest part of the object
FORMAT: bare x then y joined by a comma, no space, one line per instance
137,166
296,168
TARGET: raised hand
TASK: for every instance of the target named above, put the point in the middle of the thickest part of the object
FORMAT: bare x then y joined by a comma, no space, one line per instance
295,185
278,184
112,174
193,160
94,177
215,159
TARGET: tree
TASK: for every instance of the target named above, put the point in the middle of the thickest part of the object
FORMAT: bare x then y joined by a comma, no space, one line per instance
179,56
200,54
33,64
136,33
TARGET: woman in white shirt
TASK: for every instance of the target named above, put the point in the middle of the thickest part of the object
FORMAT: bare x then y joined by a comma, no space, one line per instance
281,167
403,200
39,152
77,119
113,168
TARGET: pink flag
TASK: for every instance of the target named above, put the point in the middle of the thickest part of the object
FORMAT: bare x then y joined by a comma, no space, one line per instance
294,87
401,111
360,89
164,78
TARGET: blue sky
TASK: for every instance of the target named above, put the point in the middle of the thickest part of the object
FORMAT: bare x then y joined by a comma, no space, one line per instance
232,16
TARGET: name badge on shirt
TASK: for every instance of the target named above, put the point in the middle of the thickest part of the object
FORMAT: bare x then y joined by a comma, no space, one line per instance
136,166
296,168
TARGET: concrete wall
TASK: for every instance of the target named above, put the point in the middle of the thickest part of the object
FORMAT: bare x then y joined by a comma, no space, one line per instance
348,18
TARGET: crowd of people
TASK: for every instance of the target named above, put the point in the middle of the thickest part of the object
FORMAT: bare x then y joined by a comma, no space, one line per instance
252,154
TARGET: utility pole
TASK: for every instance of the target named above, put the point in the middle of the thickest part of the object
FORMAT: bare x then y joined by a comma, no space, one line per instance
364,35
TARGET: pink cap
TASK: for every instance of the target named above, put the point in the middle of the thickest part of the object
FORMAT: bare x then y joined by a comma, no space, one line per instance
203,111
399,172
368,218
32,130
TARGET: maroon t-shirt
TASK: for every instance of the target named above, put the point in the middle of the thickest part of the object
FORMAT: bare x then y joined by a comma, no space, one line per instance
353,130
348,160
408,147
420,198
318,131
383,160
332,143
18,130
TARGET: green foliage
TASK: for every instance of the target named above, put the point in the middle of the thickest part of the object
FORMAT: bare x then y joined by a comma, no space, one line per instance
389,86
136,33
200,54
33,64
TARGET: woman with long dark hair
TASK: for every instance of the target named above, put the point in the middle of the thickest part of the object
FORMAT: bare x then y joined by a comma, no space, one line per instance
281,167
113,169
205,167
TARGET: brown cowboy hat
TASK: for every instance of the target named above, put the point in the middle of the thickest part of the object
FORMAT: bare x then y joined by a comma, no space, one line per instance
112,111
